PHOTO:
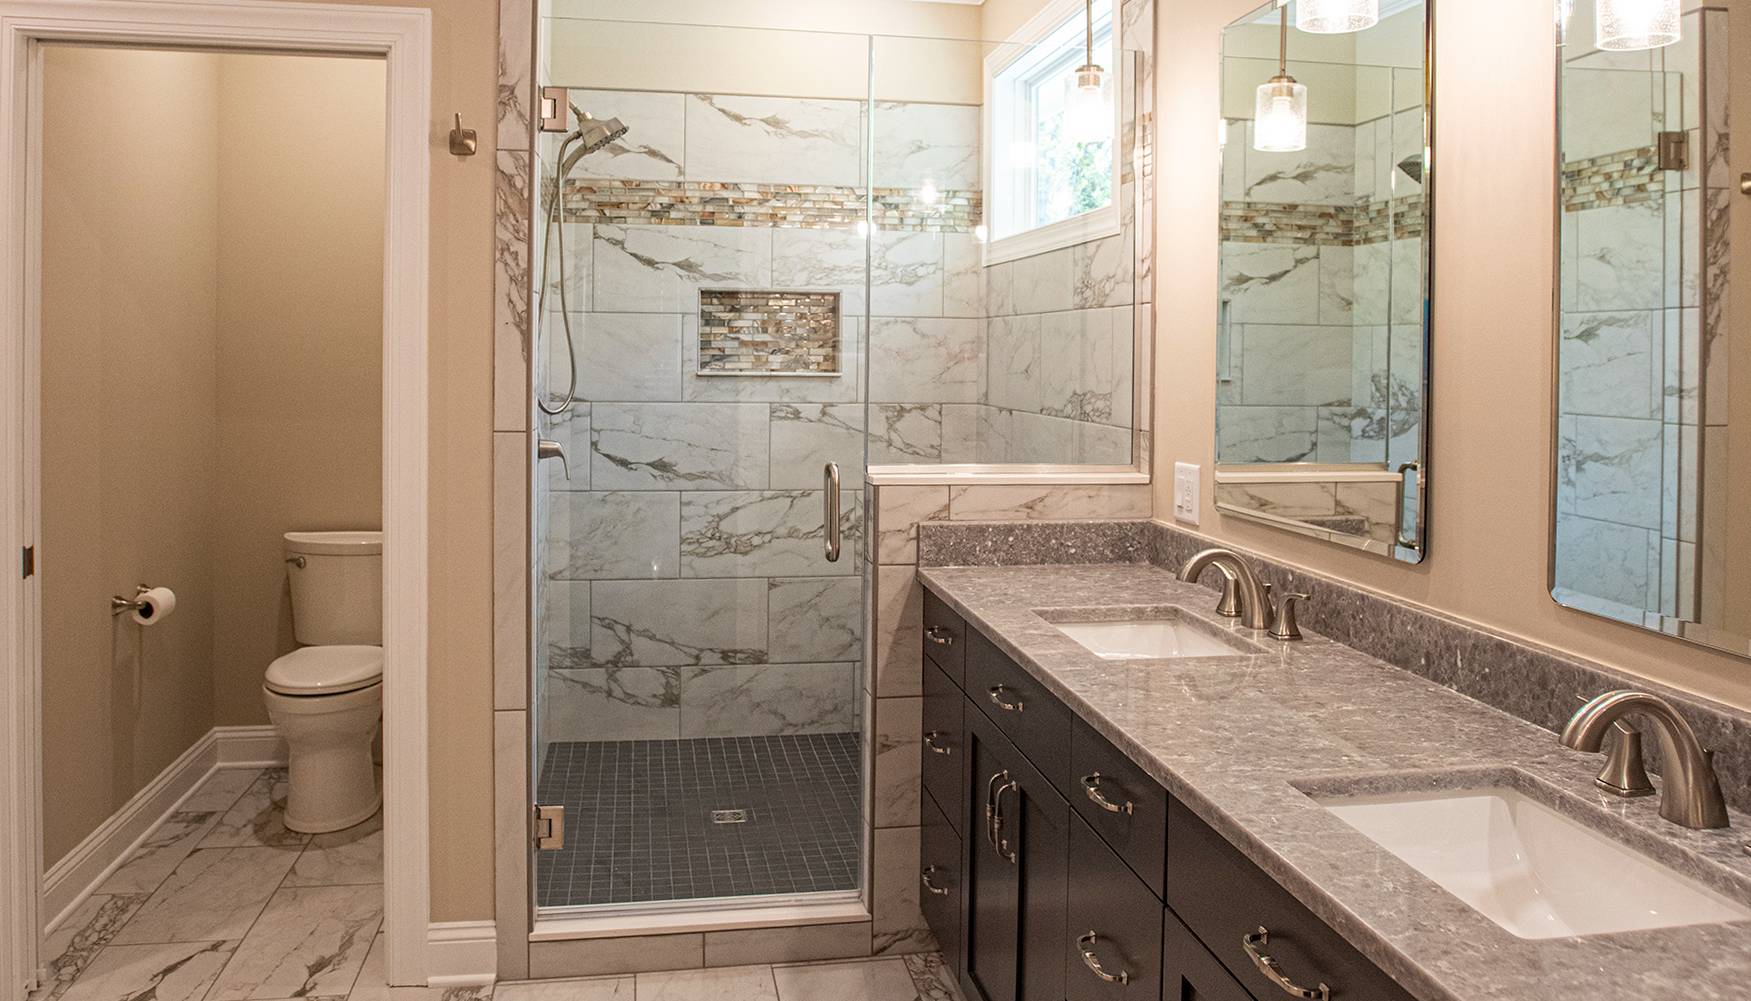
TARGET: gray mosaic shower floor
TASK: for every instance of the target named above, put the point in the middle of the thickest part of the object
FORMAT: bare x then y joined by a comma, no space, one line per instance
639,818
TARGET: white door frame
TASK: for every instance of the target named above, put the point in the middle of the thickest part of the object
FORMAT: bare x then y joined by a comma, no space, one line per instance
402,36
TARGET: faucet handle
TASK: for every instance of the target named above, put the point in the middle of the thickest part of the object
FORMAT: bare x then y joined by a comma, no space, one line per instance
1283,623
1229,606
1625,774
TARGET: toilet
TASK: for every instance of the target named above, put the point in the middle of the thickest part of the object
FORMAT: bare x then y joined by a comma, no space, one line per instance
326,697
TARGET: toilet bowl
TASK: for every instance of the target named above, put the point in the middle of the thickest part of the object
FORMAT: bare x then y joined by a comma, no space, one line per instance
326,697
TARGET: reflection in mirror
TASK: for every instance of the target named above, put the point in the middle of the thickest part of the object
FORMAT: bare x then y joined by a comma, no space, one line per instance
1322,323
1653,495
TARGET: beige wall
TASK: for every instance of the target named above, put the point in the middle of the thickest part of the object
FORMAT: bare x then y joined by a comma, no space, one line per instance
300,313
1491,422
129,251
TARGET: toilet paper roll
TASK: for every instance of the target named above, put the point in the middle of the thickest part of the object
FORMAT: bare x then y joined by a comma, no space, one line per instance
155,604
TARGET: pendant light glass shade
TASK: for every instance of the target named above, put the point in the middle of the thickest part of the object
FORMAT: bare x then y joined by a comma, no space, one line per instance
1279,123
1088,115
1626,25
1332,17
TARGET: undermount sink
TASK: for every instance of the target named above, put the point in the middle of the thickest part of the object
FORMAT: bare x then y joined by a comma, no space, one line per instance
1143,634
1529,868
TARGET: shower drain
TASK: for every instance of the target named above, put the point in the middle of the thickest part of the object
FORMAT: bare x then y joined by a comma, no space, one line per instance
729,816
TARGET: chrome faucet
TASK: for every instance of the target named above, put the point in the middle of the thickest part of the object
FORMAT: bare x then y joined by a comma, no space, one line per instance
1691,795
1243,594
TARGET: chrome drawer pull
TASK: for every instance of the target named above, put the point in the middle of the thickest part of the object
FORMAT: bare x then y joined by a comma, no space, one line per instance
1268,966
932,888
1091,786
991,807
930,741
940,635
1002,843
1085,946
997,697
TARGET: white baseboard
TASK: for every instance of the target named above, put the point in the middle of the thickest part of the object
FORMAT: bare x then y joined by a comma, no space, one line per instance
68,882
461,953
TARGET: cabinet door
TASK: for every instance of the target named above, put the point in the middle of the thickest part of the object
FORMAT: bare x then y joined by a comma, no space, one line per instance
1015,880
939,880
1189,972
1114,939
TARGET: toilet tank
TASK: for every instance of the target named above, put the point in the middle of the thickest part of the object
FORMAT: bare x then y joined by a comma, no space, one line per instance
337,587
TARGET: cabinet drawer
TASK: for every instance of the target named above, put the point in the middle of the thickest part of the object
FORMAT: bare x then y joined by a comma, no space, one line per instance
1189,972
1028,715
1223,898
939,893
1114,926
944,753
1126,807
945,636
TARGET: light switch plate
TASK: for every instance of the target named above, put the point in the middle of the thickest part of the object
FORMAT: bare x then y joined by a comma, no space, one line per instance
1186,479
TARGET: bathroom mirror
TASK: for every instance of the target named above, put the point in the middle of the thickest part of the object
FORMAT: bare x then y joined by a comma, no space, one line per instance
1322,326
1652,519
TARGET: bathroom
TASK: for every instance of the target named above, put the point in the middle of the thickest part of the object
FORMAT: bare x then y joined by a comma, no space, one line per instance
798,423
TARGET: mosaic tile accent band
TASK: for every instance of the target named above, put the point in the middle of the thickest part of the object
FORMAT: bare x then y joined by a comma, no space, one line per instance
1323,225
785,206
1622,178
765,332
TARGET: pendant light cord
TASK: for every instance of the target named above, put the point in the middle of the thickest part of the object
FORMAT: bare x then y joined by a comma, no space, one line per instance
1282,40
1088,36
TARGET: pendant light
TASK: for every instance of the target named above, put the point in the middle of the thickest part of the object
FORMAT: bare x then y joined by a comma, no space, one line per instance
1087,116
1279,121
1333,17
1626,25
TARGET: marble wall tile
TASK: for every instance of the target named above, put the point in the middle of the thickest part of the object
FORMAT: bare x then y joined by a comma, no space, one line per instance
1000,289
177,972
1078,374
898,924
1266,434
513,208
1101,272
1235,143
637,953
654,446
515,86
1337,285
925,360
1270,283
310,941
164,848
1620,258
627,357
612,703
1297,365
932,975
905,274
651,150
823,259
1613,466
1043,283
898,628
1605,110
916,143
572,430
510,579
805,437
1013,368
896,520
1049,502
513,791
898,743
1606,560
613,534
766,533
659,269
1284,500
963,280
1371,283
902,433
1321,174
1104,444
214,894
763,699
804,944
814,619
677,622
1037,438
564,625
774,140
1610,363
843,388
961,432
1681,366
1407,281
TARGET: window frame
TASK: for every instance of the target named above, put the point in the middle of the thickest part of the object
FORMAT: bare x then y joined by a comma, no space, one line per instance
1087,226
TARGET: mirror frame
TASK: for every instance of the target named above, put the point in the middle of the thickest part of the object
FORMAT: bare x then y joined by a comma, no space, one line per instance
1405,550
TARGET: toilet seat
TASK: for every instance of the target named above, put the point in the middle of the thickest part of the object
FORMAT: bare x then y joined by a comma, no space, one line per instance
325,670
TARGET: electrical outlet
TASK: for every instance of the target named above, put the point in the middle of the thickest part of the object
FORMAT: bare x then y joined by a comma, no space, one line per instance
1186,478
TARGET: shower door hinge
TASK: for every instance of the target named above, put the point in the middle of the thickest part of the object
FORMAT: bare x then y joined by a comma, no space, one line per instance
553,102
1674,151
27,563
549,827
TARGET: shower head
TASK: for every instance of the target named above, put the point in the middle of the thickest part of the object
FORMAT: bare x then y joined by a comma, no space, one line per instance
591,135
1413,167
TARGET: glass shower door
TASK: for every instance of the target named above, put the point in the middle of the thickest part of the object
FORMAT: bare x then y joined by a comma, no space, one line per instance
698,699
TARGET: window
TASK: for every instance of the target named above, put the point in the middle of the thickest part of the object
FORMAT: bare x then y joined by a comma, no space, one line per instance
1052,156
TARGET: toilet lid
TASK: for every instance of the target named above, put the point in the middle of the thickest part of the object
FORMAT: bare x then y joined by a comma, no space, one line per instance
325,670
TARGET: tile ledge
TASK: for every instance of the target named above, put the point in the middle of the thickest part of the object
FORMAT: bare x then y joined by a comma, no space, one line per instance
967,475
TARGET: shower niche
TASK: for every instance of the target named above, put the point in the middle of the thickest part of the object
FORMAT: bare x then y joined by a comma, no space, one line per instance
759,332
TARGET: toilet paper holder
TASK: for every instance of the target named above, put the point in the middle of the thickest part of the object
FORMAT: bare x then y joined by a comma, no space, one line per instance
119,605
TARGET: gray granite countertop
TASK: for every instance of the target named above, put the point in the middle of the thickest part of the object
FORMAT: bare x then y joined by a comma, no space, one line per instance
1238,739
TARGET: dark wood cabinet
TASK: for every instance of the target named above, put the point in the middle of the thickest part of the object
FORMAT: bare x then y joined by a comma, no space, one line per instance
943,754
1189,972
1114,948
939,878
945,636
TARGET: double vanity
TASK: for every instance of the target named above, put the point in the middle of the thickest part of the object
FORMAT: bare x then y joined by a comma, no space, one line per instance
1131,796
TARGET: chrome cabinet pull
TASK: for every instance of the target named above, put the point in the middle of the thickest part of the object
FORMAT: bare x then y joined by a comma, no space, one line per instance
932,888
1255,944
1002,843
930,741
997,698
1091,786
830,509
940,635
991,807
1085,945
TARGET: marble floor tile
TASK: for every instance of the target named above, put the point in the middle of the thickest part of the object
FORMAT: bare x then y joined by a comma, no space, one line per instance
740,983
258,818
343,858
877,980
176,972
158,855
310,940
591,989
216,893
71,947
220,790
932,976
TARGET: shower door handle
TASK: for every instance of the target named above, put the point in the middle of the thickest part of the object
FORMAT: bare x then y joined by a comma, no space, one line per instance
830,509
